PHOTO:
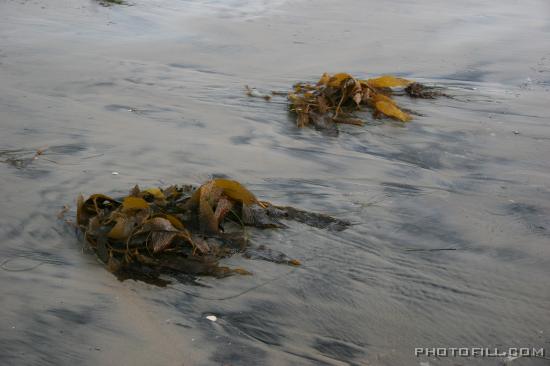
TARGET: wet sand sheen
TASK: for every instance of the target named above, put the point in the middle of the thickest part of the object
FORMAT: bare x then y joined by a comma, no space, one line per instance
155,92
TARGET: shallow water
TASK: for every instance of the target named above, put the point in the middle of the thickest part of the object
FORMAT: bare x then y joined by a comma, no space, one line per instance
155,92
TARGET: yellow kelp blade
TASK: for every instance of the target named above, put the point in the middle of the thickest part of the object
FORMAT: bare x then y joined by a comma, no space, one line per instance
123,227
206,217
324,79
92,206
134,203
387,81
391,110
155,192
175,222
337,80
379,97
236,191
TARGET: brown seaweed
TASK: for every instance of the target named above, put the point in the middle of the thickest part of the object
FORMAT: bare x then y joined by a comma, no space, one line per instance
183,230
335,98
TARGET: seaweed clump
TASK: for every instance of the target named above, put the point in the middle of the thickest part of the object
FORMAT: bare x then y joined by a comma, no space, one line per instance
334,99
183,230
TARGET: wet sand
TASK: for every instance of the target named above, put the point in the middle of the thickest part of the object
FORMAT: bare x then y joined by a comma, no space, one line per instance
155,92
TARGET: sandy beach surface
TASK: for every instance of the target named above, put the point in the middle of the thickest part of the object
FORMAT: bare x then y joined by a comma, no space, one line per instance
155,92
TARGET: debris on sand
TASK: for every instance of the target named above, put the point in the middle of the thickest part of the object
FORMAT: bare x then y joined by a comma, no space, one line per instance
253,92
21,158
417,90
111,2
334,99
183,229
